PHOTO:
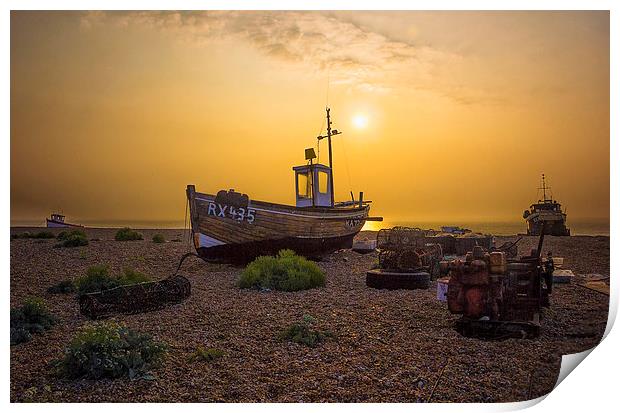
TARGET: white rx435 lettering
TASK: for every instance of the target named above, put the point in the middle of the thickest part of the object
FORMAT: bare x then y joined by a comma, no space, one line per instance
228,211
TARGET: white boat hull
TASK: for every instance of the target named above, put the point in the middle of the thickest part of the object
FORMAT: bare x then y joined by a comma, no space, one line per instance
57,224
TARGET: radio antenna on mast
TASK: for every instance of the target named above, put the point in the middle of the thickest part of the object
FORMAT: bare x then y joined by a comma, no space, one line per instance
327,93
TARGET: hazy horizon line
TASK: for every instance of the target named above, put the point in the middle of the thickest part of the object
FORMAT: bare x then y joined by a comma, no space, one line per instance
579,226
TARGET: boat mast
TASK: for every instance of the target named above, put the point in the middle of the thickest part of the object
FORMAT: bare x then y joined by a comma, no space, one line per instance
330,133
544,188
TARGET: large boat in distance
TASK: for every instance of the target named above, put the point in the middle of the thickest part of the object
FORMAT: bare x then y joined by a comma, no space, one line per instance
230,226
546,213
58,221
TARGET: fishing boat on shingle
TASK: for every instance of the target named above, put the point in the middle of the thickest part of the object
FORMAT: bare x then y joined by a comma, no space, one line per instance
231,226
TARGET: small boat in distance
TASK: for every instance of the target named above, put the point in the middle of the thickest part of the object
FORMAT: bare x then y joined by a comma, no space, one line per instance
455,230
58,221
230,226
546,213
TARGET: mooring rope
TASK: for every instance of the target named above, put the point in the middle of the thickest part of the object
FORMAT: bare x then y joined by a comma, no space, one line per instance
189,254
430,396
185,229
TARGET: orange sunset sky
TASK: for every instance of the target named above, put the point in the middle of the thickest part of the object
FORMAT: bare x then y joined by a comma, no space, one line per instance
445,115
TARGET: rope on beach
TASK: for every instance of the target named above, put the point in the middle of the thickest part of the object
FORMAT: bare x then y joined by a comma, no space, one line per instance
189,254
185,222
430,396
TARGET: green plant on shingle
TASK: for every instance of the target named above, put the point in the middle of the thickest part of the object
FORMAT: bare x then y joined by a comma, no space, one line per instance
286,271
130,276
38,235
158,239
21,235
44,235
127,234
32,317
39,394
75,238
202,354
74,241
110,350
303,333
63,287
98,278
63,235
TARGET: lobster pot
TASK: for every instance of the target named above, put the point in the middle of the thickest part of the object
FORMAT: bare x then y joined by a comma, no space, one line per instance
447,243
135,298
466,244
397,237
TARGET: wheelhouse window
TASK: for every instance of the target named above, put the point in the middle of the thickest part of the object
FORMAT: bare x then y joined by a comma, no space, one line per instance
323,182
304,185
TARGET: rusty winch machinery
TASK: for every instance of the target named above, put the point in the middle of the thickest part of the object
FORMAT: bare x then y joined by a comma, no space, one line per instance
498,296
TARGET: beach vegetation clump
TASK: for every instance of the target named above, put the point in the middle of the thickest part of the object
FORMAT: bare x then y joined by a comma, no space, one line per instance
286,272
33,317
127,234
98,278
158,239
110,350
63,235
44,235
63,287
74,241
208,354
38,235
75,238
303,332
130,276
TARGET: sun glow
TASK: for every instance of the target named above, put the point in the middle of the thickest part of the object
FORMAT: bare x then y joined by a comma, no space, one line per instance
360,121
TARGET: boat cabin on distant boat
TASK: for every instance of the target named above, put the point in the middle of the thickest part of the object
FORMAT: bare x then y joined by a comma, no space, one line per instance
57,217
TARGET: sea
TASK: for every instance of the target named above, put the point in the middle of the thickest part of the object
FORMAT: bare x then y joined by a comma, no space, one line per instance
591,227
578,227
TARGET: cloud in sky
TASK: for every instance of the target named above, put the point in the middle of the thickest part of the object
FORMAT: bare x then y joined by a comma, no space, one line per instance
319,42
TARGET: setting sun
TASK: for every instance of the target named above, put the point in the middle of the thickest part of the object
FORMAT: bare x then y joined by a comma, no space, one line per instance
360,121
